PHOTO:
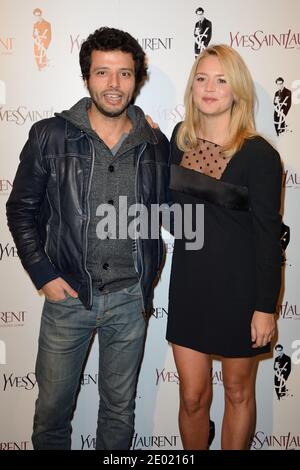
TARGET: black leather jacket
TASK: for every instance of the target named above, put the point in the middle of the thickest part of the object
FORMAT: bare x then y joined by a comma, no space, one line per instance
48,210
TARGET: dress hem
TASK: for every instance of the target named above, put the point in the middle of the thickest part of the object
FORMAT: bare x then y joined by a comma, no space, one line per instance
256,352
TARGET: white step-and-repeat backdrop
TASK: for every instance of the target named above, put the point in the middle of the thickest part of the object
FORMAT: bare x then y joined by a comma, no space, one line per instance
40,74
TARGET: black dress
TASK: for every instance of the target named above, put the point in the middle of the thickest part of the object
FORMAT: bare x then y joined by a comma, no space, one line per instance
215,290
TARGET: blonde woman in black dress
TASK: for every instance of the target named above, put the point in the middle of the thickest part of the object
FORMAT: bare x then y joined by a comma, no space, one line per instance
223,297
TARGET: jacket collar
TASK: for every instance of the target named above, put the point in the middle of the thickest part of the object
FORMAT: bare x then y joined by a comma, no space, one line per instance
76,124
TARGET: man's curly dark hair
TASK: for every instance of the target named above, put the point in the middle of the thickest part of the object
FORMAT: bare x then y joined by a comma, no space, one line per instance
111,39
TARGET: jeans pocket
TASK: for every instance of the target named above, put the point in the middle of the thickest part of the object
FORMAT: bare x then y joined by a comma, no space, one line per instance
67,297
133,290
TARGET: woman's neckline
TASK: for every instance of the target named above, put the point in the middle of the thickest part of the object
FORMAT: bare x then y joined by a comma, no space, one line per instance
209,141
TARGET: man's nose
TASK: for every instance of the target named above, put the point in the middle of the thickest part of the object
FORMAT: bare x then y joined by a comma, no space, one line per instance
114,80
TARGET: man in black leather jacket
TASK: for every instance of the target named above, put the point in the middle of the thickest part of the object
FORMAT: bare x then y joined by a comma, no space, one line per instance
96,155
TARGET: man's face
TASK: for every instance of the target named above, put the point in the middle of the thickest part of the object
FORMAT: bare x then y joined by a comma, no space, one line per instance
280,85
112,81
200,15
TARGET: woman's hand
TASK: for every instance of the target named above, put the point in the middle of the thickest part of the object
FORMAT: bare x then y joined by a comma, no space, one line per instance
150,121
262,328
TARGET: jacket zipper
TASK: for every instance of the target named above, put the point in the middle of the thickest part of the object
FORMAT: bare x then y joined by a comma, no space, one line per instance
138,239
48,228
88,220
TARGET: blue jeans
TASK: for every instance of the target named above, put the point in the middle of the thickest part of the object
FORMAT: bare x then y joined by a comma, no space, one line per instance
65,334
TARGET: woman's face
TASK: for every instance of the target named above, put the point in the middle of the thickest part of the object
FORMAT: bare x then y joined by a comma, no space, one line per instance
212,94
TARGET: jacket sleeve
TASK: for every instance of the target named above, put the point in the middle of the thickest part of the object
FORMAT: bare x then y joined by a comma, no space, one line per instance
209,32
265,179
23,209
163,180
289,101
174,154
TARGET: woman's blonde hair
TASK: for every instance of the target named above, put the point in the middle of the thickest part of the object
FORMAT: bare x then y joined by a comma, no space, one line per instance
242,124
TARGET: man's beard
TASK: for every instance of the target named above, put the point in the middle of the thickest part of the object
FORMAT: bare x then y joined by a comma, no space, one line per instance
109,113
